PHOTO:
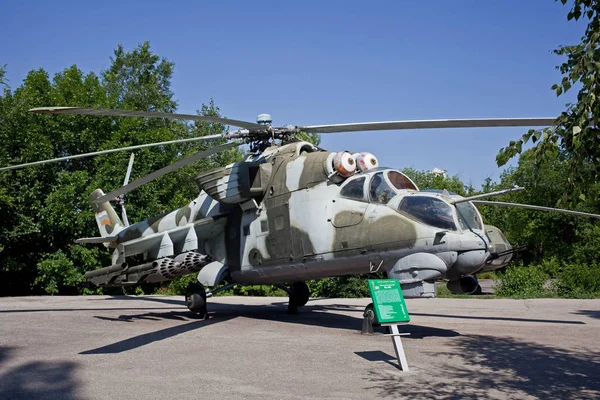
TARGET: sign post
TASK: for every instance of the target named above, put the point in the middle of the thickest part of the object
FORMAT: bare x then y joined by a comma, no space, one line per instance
390,310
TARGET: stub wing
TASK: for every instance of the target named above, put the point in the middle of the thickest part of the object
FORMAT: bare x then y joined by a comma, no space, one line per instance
168,254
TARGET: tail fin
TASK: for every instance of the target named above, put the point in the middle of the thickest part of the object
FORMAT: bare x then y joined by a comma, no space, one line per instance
108,221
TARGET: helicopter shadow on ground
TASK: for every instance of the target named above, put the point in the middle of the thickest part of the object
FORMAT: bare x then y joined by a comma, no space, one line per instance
313,315
589,313
323,316
45,310
151,337
145,298
487,367
495,318
36,379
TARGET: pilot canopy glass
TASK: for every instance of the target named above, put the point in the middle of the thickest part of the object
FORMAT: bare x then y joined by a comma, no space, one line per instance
381,188
385,185
429,210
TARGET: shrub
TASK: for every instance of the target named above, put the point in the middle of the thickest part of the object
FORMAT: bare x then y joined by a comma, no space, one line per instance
551,267
522,282
178,285
351,286
255,290
578,281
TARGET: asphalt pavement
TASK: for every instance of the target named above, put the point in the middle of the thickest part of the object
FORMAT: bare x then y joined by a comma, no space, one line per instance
150,347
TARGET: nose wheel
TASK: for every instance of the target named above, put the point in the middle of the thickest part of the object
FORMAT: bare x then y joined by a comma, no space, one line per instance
299,295
195,299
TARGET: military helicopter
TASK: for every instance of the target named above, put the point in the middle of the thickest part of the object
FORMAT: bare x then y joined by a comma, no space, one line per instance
290,212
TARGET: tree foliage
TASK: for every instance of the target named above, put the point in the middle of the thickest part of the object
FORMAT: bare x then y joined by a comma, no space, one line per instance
45,208
545,234
3,75
577,130
434,180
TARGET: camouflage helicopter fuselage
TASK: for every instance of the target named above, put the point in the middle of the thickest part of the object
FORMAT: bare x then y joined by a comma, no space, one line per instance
286,216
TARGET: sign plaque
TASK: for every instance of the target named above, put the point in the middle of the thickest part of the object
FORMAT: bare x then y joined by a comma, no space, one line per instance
388,301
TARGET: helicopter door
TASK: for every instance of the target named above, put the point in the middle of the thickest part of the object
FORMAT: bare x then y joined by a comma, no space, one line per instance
279,241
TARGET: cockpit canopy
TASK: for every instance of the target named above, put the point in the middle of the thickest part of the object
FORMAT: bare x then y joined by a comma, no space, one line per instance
382,186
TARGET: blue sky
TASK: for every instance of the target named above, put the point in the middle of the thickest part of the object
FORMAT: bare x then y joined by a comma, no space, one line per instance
310,62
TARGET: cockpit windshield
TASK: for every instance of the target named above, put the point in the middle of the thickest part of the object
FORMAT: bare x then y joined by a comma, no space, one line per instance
429,210
467,216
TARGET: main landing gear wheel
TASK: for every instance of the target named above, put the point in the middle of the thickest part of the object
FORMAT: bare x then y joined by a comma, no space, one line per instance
299,295
195,299
370,314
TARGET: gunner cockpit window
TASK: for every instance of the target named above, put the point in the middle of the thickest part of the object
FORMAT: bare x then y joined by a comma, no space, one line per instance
354,189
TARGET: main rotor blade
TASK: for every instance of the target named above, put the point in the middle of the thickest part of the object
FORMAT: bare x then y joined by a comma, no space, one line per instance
429,124
163,171
537,208
486,195
150,114
95,153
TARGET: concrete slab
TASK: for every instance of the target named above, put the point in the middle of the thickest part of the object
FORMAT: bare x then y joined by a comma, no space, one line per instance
150,347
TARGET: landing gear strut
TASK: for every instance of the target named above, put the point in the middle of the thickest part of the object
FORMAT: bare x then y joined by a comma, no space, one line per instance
195,299
299,295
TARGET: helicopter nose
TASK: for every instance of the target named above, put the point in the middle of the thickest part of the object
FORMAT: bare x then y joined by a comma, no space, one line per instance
471,240
474,252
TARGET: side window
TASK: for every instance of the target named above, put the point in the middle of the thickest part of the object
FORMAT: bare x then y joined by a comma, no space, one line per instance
354,189
379,190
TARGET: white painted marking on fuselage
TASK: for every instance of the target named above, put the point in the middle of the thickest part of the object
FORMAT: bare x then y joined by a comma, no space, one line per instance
293,172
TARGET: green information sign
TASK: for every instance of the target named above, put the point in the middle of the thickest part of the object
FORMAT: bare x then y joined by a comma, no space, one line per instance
388,301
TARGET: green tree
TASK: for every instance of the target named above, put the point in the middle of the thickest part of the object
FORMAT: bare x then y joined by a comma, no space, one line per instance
434,180
313,138
3,75
577,128
45,208
547,235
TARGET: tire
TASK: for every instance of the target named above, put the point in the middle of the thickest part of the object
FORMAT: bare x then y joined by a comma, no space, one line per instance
370,313
195,299
300,294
